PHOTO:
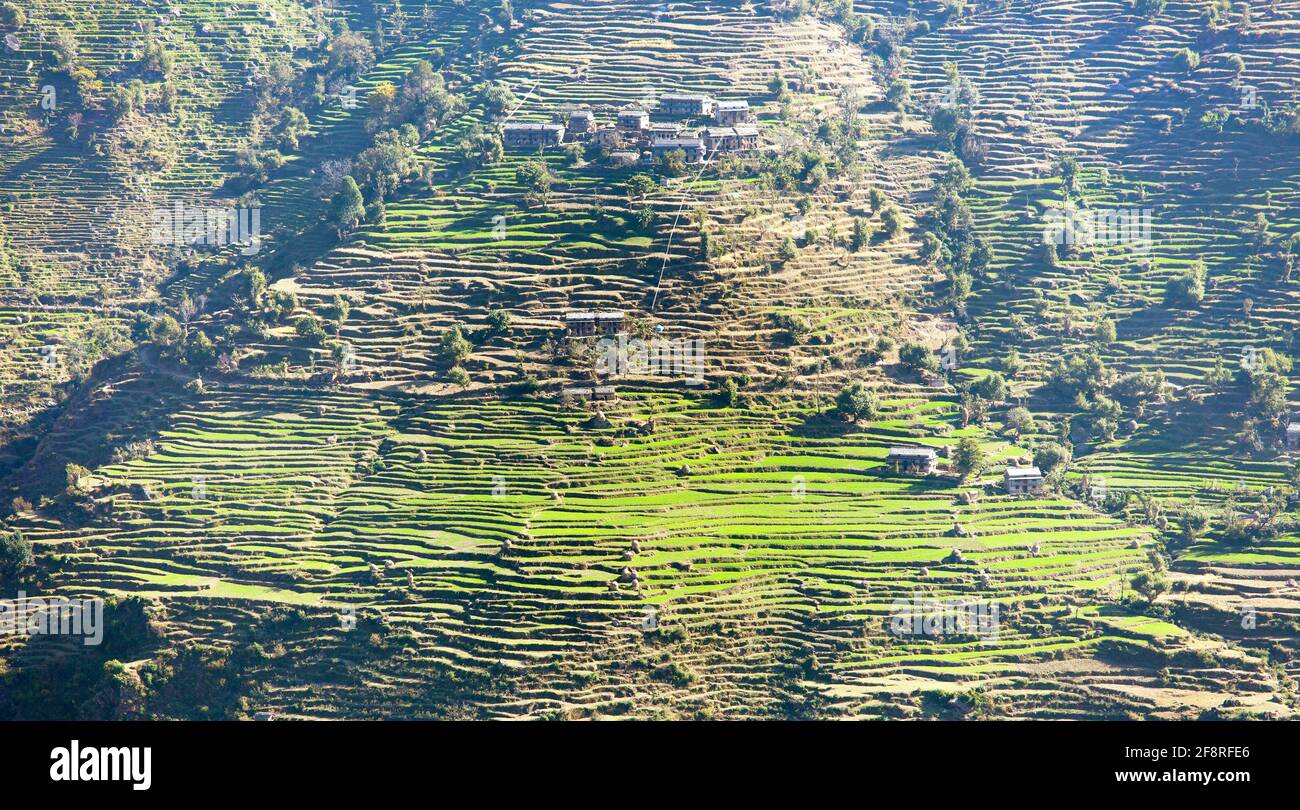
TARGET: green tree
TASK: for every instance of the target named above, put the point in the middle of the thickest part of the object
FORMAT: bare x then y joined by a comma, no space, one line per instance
199,351
970,458
857,402
891,221
1150,584
1020,421
347,208
455,348
536,178
919,357
992,387
1049,456
16,556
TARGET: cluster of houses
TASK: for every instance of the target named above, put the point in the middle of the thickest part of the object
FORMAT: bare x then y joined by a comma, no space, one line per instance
731,129
922,461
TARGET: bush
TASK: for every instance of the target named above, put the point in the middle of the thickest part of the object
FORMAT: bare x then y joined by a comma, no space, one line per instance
969,458
455,348
16,557
992,387
856,402
1050,455
1187,288
458,376
310,329
919,357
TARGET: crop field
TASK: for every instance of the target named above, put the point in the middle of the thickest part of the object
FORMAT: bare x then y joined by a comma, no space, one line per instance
366,468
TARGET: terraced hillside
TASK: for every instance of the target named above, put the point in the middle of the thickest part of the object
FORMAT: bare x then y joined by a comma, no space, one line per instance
369,475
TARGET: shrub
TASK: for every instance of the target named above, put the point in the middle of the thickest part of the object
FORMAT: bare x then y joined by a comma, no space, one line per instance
856,402
1188,287
919,357
455,348
1188,59
970,458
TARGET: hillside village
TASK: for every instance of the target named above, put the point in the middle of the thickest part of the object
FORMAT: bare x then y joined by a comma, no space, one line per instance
632,137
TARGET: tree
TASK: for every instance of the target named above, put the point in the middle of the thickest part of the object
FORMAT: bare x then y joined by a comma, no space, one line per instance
638,186
1020,421
1195,521
969,458
1104,332
252,285
1149,8
199,351
480,147
498,321
78,479
1150,584
729,392
892,221
165,331
455,348
898,93
310,329
1140,387
292,126
458,376
382,100
498,98
1050,455
425,99
16,556
857,402
919,357
350,54
788,250
536,178
861,233
348,208
12,16
1081,372
338,309
992,387
391,161
673,162
1188,60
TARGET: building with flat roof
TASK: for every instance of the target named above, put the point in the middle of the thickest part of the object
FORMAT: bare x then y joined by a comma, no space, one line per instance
582,123
915,460
686,105
730,113
1020,480
693,147
720,140
633,120
580,324
527,135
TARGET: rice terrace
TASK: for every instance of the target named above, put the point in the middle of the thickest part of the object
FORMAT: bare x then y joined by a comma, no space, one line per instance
614,359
